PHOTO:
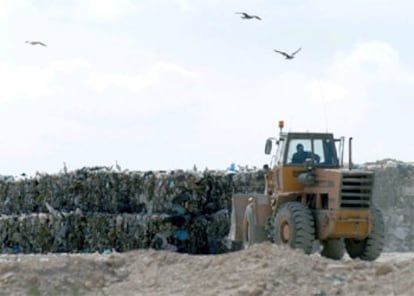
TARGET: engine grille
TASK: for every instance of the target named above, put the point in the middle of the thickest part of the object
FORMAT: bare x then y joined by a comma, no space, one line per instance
356,190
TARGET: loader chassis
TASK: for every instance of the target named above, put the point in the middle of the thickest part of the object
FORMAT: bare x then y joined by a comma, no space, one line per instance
318,199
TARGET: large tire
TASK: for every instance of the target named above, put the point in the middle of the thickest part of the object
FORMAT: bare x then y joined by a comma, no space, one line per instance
354,247
371,247
294,226
252,233
333,249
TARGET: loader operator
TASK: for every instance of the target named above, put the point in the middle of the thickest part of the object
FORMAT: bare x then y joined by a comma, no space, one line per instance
301,155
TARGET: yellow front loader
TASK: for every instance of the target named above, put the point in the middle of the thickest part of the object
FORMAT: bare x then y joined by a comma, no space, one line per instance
311,196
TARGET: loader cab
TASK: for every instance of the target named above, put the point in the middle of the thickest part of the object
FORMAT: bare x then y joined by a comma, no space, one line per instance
297,149
318,149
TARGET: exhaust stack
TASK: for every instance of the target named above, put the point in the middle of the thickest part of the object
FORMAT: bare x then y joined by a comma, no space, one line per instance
351,166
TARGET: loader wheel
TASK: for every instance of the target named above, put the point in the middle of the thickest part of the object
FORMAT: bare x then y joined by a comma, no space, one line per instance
333,249
294,226
252,233
354,247
371,247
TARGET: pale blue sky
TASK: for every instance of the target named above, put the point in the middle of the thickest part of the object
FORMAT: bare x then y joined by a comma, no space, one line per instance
157,84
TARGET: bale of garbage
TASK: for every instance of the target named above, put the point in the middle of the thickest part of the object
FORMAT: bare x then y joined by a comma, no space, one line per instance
99,209
394,195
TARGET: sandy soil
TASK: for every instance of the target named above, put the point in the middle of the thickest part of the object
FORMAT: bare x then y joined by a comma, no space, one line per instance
264,269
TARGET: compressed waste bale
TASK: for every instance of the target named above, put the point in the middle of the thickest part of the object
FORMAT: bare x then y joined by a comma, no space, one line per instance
76,232
394,195
97,208
107,191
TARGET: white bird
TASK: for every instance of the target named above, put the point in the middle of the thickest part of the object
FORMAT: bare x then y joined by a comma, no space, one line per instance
118,167
65,168
248,16
36,43
287,55
52,211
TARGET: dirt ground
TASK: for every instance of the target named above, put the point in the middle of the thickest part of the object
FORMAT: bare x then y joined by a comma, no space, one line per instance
264,269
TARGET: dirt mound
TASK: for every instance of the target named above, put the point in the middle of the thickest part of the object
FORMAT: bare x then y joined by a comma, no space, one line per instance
264,269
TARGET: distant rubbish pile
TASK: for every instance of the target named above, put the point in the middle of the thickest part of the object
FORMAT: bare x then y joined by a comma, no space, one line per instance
99,209
394,194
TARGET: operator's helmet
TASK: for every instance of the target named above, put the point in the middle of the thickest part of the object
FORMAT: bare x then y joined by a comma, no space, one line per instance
299,147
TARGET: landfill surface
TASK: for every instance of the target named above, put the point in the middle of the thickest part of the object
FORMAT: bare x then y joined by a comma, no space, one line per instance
263,269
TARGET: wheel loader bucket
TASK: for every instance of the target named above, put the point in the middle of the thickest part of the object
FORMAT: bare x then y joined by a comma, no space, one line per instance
239,204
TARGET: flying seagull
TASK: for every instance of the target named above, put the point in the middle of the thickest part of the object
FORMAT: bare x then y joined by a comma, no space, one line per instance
35,43
248,16
287,55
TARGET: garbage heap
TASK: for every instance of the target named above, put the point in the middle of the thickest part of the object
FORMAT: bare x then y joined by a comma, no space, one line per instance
99,209
394,195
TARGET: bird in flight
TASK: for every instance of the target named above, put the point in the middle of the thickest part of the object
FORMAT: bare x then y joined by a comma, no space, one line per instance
287,55
248,16
35,43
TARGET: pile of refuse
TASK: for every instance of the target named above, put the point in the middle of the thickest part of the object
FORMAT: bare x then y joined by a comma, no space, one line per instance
100,210
394,195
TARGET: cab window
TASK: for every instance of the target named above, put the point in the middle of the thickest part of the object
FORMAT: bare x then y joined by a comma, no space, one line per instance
301,149
298,151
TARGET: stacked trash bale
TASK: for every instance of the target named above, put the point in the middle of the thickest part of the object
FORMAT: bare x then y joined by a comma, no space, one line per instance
99,209
394,195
